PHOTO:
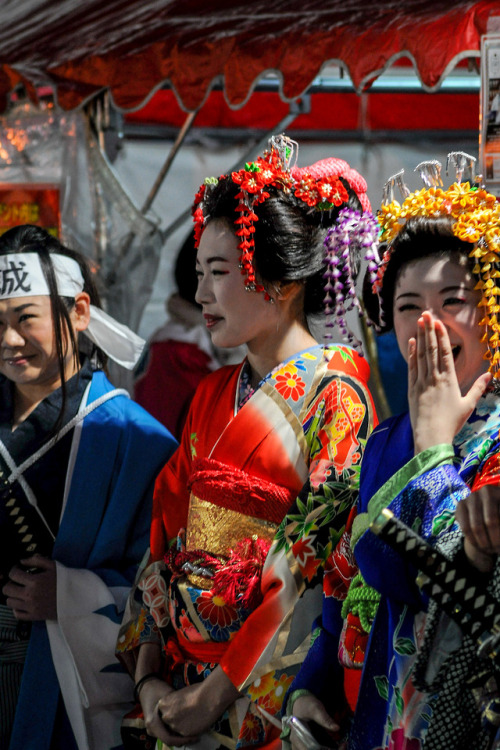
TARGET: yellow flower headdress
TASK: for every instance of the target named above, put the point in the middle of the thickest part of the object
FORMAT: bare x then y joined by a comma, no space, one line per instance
477,220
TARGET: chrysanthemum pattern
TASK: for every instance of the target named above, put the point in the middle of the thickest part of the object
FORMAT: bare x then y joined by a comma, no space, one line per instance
290,385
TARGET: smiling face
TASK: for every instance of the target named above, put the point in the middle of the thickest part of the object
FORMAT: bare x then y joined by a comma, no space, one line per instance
28,355
446,289
233,315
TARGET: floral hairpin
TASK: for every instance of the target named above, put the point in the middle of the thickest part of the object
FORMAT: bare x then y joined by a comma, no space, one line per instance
272,170
476,215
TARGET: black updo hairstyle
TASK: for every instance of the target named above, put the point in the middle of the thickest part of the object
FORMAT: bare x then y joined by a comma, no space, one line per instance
420,237
288,236
29,238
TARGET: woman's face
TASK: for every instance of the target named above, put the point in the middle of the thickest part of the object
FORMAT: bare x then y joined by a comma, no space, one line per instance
27,343
446,289
233,315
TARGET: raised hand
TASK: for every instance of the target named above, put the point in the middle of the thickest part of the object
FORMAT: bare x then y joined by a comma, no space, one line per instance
437,407
479,518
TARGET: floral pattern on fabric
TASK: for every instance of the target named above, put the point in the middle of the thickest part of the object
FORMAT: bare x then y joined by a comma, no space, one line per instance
290,385
304,428
399,715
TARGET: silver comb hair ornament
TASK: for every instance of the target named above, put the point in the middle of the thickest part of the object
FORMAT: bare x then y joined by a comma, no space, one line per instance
287,150
460,161
396,180
430,172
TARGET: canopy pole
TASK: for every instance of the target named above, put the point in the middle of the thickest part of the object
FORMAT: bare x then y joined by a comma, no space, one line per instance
376,383
251,152
168,162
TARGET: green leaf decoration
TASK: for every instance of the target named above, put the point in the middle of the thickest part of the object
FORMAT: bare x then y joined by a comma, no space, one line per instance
484,449
281,543
315,634
335,536
382,684
323,552
442,522
347,357
400,704
324,205
405,647
194,439
302,508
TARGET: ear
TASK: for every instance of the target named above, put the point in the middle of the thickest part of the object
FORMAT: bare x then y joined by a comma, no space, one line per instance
80,314
287,290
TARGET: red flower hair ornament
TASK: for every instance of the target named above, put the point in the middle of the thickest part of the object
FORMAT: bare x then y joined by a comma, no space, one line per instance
318,186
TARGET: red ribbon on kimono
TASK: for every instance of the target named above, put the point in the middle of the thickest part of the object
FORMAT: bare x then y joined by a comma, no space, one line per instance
179,650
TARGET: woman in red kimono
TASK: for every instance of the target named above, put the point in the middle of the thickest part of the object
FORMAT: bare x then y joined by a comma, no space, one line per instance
222,616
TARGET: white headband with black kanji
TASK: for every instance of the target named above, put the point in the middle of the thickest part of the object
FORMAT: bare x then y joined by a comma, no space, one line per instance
21,275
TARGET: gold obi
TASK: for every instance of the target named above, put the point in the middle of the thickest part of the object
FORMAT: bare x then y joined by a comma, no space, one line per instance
217,530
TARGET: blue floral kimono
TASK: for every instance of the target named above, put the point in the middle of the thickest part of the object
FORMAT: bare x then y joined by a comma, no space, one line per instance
423,491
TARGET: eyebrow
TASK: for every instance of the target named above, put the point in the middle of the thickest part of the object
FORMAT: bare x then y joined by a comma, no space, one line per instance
213,259
20,308
444,290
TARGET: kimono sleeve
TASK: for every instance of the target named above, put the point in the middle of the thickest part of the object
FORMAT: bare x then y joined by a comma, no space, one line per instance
424,494
147,604
91,592
321,672
277,634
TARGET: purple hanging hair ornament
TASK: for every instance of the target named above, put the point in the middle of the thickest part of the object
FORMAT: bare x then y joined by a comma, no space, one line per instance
353,236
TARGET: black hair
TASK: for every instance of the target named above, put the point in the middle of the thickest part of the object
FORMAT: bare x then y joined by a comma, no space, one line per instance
185,270
420,237
288,236
29,238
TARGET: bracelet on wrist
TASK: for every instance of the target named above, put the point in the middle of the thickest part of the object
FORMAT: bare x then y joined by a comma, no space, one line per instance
145,678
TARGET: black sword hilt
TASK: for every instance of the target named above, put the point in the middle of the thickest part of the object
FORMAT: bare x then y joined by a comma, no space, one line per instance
24,532
450,583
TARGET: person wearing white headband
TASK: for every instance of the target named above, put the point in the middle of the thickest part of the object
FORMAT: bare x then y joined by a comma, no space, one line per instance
78,461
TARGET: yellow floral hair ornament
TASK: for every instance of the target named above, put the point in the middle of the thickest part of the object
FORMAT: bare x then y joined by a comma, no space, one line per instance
477,220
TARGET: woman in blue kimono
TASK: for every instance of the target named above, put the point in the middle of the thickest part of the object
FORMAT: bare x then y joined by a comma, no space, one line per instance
437,464
78,461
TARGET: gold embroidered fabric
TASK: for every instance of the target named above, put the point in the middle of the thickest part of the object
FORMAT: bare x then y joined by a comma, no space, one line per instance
217,530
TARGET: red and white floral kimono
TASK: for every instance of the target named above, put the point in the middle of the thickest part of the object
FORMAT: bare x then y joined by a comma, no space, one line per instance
227,584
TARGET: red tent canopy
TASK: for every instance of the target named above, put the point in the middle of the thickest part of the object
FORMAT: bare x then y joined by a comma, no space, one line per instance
327,112
134,46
